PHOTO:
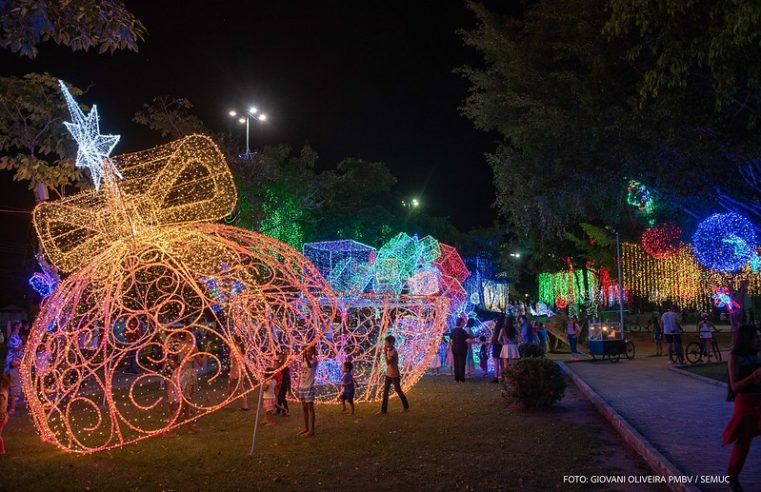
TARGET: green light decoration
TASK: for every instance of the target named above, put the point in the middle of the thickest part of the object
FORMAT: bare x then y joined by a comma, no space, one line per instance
566,288
640,196
430,248
397,261
281,220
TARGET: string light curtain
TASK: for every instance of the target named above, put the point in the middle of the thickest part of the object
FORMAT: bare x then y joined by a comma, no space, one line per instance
678,278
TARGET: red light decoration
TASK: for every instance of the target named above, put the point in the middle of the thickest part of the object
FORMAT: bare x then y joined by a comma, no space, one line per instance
662,241
450,263
561,302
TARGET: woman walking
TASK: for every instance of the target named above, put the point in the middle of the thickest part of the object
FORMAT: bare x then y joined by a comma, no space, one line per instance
745,387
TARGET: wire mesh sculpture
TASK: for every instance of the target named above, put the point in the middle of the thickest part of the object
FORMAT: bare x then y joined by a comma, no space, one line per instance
357,333
157,290
147,271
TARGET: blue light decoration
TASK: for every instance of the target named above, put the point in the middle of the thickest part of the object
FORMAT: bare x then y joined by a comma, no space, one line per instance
94,149
46,282
223,289
347,265
721,298
541,309
724,242
755,263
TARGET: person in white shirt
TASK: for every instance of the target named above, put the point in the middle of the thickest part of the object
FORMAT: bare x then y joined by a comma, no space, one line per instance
705,331
672,330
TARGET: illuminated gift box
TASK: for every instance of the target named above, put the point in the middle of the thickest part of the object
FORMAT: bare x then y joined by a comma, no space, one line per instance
417,323
143,258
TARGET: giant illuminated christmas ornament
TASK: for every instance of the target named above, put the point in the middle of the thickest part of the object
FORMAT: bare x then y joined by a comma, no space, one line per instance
725,242
155,288
662,241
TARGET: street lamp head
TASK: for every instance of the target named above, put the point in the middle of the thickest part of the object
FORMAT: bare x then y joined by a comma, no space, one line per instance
415,202
241,120
233,114
262,117
252,110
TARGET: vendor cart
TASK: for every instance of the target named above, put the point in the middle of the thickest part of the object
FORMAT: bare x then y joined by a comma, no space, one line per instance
606,340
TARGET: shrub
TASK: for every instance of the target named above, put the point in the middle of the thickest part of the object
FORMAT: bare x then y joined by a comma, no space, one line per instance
530,350
535,382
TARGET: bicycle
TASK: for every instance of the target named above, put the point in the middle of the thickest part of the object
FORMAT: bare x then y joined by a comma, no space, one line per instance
695,353
631,350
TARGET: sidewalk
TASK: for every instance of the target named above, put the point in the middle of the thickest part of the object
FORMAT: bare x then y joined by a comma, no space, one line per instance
681,417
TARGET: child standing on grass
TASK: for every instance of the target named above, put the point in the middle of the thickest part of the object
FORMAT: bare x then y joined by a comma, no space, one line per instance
306,390
5,384
284,387
483,355
185,379
347,387
435,365
268,397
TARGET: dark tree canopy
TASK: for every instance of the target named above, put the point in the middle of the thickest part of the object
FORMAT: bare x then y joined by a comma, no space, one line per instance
78,24
588,93
34,144
172,117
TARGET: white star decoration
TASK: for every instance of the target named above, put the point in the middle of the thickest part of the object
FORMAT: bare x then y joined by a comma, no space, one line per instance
94,148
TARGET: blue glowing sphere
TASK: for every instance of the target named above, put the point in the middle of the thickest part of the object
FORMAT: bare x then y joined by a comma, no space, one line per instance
724,242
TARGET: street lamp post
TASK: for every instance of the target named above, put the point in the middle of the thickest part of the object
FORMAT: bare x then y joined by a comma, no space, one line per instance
620,284
252,112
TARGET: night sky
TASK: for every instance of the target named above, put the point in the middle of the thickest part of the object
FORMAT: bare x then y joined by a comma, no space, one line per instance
362,80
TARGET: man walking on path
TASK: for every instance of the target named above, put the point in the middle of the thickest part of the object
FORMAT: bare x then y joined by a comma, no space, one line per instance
673,332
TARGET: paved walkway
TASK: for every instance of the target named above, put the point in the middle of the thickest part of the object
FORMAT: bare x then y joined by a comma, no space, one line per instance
682,417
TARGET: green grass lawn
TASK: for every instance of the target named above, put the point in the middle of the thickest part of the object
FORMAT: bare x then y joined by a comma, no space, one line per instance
456,437
713,371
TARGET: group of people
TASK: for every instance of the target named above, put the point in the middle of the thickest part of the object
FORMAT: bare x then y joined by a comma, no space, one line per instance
10,379
669,327
507,334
